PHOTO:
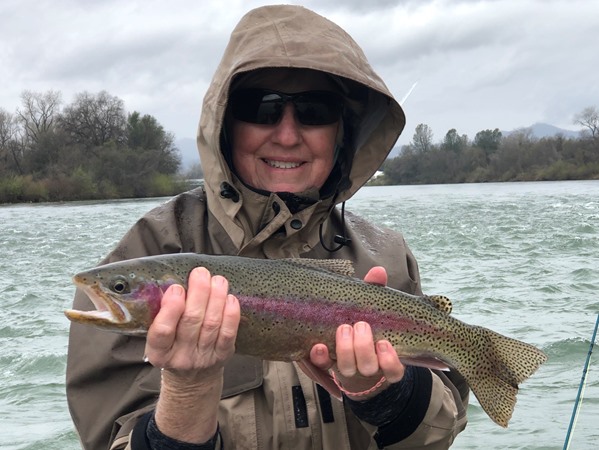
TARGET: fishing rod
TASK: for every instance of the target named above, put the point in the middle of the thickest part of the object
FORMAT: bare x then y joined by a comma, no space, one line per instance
578,402
405,97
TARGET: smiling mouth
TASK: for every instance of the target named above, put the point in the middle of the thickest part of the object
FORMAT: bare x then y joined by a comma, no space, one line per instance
282,164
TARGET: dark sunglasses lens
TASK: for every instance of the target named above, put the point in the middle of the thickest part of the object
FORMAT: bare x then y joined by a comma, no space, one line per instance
256,106
266,107
318,108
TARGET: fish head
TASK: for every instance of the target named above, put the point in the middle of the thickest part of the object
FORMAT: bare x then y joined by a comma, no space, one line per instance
126,294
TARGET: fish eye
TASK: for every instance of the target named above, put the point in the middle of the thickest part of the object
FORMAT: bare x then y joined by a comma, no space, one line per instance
120,285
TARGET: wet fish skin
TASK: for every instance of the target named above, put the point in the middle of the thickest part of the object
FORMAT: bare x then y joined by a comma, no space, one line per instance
288,306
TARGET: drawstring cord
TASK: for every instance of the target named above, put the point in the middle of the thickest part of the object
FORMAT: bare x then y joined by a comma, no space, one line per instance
342,240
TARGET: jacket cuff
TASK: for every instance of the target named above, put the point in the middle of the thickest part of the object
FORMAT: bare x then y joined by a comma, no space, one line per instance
412,414
386,405
147,436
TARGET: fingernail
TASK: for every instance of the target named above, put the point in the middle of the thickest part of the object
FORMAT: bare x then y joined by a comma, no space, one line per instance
218,281
361,327
201,272
177,290
346,331
382,347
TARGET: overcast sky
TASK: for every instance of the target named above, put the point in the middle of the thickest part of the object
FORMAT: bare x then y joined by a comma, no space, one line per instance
477,64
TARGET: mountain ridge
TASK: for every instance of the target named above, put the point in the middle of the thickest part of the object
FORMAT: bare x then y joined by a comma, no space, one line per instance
543,130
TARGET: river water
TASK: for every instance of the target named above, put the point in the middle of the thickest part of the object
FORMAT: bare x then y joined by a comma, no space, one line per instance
520,258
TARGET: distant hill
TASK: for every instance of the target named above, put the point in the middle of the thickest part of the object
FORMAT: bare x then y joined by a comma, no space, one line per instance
544,130
189,152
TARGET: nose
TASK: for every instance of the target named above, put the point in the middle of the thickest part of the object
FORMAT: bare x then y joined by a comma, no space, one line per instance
287,132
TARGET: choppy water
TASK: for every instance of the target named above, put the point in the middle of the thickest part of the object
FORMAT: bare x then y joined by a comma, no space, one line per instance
521,258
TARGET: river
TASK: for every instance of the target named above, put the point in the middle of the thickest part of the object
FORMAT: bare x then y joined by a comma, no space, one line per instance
520,258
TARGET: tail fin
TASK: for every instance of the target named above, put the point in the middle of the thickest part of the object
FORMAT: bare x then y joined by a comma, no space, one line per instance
503,363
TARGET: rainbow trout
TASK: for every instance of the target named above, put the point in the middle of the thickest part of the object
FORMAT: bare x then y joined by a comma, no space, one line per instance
288,305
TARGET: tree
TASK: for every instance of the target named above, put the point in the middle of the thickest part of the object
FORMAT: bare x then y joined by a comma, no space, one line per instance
39,113
8,128
94,120
146,134
488,141
453,142
403,169
10,150
589,118
513,157
422,141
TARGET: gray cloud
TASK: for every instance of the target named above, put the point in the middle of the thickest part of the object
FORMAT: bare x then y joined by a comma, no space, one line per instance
478,64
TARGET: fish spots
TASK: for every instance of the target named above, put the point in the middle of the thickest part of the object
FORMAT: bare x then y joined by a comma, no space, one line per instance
310,314
288,307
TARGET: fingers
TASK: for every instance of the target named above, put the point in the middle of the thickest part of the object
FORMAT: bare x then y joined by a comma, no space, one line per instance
376,275
389,362
355,350
198,331
196,306
209,315
366,357
225,344
346,358
319,356
161,334
361,364
221,320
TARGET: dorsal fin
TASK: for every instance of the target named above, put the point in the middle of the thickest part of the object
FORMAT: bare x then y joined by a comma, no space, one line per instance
440,302
339,266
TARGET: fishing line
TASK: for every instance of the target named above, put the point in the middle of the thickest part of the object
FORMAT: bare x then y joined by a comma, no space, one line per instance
580,395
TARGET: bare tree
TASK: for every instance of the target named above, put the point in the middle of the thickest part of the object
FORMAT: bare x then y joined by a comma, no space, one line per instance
422,141
39,113
8,128
589,118
10,150
94,120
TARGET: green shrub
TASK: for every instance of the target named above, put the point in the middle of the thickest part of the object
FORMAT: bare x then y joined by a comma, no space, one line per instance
34,190
11,189
82,185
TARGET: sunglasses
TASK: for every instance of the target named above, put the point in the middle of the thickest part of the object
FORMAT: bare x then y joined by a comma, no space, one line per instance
265,107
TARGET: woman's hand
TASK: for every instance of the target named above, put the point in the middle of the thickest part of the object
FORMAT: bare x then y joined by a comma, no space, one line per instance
361,364
191,338
194,335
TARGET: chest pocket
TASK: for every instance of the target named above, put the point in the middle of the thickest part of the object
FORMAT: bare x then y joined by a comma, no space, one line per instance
242,373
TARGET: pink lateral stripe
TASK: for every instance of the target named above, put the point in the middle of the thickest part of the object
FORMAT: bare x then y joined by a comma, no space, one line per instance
325,313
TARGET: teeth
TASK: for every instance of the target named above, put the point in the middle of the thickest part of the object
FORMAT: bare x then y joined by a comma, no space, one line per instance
282,164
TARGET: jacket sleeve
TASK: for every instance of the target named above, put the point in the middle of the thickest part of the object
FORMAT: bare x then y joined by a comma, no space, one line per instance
444,416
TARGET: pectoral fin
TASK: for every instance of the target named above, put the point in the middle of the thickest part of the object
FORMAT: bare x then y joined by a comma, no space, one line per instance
320,376
427,362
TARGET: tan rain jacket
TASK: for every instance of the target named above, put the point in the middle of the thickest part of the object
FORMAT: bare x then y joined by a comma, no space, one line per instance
108,384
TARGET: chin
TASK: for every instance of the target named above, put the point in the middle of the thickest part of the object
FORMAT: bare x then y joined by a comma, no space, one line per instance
282,186
285,188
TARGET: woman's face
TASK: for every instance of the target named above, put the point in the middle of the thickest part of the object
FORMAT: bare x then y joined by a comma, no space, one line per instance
286,156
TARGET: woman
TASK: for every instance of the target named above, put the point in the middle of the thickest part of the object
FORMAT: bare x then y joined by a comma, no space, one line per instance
294,122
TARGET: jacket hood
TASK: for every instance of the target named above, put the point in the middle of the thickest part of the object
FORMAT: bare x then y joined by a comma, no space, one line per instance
285,36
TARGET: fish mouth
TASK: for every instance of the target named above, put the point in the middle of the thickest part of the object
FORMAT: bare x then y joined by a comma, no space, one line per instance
109,312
